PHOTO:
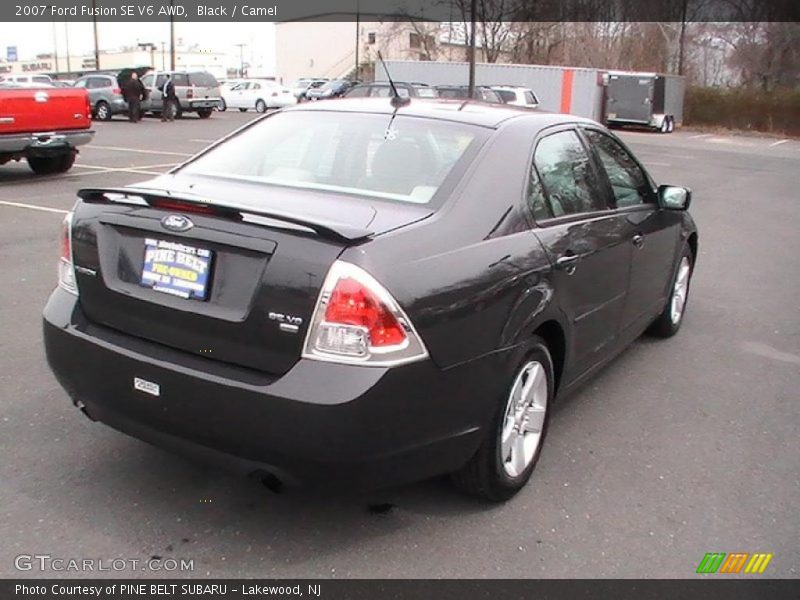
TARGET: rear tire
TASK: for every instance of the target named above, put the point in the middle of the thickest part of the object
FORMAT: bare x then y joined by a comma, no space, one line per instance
664,126
204,113
223,106
48,165
102,111
242,110
671,126
261,106
669,321
513,442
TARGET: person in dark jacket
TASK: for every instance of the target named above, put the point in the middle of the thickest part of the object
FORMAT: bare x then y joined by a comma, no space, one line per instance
134,92
170,102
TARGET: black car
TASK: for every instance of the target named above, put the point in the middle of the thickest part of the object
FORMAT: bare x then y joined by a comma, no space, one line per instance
382,89
461,92
332,89
380,294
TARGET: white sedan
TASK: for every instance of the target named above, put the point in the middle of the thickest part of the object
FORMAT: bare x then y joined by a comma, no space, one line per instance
260,94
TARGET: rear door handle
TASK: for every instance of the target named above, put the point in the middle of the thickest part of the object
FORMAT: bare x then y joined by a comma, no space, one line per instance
567,263
638,240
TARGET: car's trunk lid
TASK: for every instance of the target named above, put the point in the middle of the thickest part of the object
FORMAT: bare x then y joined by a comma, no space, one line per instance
267,262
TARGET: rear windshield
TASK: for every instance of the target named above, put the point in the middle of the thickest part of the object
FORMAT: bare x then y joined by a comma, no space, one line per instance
506,95
202,80
406,159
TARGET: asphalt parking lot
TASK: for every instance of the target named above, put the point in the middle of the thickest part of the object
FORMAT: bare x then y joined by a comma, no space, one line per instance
678,448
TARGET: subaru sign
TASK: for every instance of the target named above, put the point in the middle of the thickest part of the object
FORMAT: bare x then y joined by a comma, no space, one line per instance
11,53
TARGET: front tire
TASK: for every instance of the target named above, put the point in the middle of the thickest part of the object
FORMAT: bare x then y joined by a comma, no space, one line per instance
48,165
669,321
223,106
513,443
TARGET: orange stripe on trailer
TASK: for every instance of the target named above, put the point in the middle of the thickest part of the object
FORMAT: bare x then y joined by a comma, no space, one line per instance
566,90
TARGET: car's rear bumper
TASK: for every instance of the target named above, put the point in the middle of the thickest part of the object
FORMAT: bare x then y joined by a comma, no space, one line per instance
202,103
318,423
43,141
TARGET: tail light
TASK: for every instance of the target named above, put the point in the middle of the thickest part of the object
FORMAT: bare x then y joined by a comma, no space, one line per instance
66,268
117,91
357,321
274,94
190,93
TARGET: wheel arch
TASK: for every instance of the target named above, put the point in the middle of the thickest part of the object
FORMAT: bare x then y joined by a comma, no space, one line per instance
555,339
692,241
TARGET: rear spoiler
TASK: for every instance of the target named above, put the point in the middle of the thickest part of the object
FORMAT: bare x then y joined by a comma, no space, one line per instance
342,232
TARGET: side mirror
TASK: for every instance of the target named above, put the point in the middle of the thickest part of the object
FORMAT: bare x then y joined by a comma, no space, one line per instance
673,197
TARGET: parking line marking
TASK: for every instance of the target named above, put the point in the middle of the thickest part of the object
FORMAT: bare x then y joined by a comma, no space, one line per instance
138,150
697,137
778,143
33,207
130,168
202,140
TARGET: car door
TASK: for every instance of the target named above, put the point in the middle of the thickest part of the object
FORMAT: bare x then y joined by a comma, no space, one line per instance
586,240
239,95
654,233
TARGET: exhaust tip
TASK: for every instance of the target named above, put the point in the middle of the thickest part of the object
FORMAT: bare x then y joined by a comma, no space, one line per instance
269,480
82,407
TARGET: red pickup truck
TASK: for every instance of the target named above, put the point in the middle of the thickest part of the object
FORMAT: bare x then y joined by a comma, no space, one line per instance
44,125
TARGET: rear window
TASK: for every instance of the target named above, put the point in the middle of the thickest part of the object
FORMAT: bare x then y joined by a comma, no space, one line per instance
406,159
426,92
506,95
203,79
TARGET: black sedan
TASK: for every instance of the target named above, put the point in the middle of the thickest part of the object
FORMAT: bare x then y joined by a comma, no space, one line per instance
379,294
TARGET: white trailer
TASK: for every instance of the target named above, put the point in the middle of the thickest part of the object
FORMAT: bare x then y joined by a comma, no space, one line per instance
570,90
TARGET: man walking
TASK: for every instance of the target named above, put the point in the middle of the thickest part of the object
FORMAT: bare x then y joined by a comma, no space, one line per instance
170,100
133,92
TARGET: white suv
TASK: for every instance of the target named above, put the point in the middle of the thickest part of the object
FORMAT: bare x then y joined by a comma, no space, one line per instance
517,96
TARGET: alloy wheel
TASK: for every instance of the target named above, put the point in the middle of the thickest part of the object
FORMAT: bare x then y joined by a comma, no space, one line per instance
524,419
680,290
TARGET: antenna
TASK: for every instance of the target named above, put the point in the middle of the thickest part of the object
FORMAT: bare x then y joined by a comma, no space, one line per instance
397,99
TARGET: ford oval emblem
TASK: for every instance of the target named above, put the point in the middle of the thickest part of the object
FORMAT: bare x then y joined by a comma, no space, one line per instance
177,223
41,96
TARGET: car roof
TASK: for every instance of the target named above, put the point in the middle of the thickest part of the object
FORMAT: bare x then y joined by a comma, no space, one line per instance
470,112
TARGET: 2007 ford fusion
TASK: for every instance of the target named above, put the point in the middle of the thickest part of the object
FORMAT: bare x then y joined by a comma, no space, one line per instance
368,292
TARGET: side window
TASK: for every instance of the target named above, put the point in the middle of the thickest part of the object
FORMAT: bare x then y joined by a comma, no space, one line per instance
537,201
180,79
529,98
97,83
628,181
160,80
147,81
81,83
566,173
359,92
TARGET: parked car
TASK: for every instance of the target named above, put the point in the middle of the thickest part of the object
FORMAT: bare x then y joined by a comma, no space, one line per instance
382,89
516,96
380,294
105,95
43,124
30,79
197,91
461,92
260,94
331,89
302,85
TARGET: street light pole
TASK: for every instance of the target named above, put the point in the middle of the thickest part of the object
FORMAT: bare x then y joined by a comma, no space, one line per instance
66,43
358,33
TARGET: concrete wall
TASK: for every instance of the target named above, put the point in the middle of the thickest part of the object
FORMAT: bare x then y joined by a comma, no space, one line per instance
560,89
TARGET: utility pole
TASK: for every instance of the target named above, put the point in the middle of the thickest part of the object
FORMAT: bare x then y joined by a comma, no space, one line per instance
681,40
358,33
171,36
96,46
163,58
472,11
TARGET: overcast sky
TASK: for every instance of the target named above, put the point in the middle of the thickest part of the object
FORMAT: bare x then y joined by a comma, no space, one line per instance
34,38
